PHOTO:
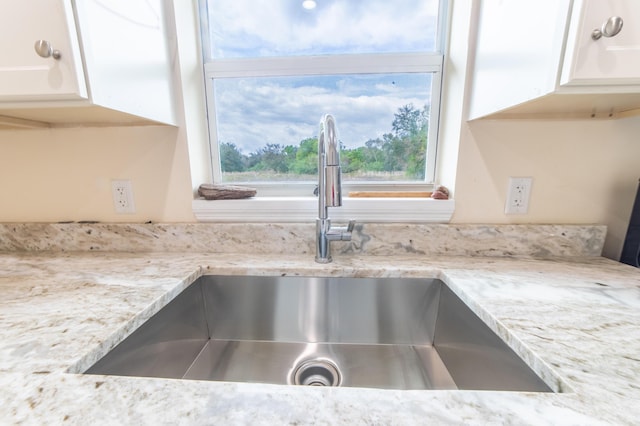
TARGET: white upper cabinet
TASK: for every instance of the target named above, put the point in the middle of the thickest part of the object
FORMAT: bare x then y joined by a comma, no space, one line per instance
539,58
24,74
614,57
85,61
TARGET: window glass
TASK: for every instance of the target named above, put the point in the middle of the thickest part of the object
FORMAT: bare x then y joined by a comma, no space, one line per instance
250,28
274,68
267,127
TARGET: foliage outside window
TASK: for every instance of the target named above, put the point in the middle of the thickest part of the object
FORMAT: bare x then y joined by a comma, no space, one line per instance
400,154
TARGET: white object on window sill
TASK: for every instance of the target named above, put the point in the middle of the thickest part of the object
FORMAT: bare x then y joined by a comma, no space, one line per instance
305,209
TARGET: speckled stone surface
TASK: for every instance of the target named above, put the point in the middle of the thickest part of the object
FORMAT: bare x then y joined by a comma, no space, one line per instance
299,238
575,319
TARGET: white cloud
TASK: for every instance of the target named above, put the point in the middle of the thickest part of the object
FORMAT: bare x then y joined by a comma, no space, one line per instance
285,27
254,112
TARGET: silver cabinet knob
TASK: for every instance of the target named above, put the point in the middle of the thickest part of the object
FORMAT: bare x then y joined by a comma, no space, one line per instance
44,49
610,28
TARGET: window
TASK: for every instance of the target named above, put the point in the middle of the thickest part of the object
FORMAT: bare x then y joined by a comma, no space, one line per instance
273,68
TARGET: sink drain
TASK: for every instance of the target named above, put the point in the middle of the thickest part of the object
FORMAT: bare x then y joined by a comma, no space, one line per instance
317,372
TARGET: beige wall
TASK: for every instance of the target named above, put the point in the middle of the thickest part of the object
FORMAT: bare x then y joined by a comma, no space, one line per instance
55,175
583,172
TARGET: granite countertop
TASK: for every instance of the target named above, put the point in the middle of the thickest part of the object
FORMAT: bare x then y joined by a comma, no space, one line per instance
578,316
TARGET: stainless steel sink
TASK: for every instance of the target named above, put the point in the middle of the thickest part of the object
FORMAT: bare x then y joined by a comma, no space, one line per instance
368,332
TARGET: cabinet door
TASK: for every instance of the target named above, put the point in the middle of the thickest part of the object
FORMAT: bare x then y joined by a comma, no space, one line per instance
26,76
609,60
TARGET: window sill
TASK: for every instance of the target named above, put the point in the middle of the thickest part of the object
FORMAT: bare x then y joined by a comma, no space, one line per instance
305,209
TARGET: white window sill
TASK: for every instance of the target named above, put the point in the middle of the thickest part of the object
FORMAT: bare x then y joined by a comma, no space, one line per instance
305,209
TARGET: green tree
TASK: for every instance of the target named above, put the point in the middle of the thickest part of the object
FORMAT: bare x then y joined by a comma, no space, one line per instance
306,161
410,127
409,121
416,155
271,157
352,160
373,156
231,159
395,153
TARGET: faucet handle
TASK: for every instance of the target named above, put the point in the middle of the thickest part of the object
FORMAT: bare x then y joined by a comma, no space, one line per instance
345,234
341,233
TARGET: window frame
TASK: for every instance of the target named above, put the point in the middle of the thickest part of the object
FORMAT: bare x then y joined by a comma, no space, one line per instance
294,195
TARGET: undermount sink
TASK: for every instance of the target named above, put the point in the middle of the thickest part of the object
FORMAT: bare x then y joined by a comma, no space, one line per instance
391,333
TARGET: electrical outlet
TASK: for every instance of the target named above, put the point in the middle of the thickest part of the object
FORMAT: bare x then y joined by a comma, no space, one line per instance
122,196
518,195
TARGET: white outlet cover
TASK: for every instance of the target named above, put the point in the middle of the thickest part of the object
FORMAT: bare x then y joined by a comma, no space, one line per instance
518,194
122,193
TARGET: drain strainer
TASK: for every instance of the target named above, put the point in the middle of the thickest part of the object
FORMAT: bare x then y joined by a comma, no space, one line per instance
317,372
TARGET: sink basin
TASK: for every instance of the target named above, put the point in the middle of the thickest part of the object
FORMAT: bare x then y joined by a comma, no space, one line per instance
386,333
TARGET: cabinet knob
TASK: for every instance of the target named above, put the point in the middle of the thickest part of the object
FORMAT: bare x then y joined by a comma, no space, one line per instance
44,49
611,27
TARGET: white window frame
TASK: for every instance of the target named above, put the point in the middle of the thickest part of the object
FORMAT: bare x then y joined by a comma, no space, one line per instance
293,201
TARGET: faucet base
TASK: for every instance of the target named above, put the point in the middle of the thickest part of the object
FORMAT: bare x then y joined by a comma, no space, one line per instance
323,259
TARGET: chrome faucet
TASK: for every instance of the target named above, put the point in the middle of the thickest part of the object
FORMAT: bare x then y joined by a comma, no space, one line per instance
329,190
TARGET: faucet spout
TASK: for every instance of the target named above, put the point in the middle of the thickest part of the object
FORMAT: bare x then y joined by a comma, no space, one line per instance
329,190
329,173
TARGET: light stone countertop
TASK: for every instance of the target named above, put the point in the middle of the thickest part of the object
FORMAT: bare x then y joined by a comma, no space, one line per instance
575,319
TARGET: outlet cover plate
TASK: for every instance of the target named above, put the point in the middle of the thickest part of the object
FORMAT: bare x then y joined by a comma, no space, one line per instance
122,192
518,194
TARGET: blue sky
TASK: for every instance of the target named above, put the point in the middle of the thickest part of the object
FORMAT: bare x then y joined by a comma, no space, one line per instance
253,112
